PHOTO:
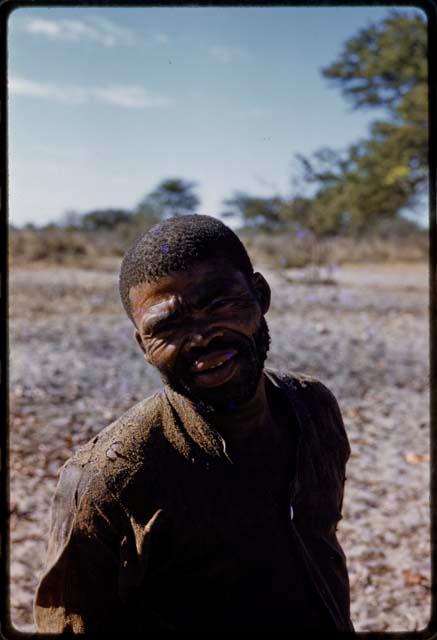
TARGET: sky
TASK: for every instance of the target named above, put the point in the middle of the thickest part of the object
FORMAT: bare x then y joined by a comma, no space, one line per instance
104,103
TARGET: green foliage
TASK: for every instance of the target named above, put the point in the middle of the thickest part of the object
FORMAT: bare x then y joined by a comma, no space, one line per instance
104,219
262,213
172,197
383,66
70,219
143,218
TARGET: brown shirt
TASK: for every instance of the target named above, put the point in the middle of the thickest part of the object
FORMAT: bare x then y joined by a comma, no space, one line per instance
273,592
153,528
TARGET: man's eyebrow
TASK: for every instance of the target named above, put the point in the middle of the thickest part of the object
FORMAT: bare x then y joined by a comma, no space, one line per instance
217,286
153,320
158,313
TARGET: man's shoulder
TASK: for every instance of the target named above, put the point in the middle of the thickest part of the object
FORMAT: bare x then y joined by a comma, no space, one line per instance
306,386
316,407
92,481
134,427
119,450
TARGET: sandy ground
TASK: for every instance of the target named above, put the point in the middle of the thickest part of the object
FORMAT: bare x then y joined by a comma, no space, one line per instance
74,368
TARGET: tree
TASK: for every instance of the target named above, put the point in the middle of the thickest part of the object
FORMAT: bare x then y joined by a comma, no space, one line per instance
172,197
105,219
383,66
145,216
254,211
71,219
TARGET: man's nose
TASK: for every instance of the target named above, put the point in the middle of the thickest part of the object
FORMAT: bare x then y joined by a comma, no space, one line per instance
201,338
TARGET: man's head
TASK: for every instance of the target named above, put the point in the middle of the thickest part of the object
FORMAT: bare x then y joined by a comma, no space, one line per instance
198,308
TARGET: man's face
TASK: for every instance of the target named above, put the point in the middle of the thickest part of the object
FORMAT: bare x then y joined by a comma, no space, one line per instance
204,330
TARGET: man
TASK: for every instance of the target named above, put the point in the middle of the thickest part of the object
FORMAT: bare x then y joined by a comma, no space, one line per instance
213,504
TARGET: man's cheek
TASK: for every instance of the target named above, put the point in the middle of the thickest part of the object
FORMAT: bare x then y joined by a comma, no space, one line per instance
161,353
246,322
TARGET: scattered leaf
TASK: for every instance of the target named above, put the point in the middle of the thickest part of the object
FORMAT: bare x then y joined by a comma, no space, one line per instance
416,458
412,579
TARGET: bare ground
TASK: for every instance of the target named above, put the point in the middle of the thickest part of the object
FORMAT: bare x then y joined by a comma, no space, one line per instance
74,368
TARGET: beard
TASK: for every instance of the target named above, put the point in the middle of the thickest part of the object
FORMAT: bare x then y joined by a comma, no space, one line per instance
252,354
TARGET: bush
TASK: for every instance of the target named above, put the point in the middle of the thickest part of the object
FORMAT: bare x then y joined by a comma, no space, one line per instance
53,245
291,249
302,249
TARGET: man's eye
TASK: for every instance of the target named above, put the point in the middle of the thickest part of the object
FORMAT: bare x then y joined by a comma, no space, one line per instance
157,330
163,328
219,302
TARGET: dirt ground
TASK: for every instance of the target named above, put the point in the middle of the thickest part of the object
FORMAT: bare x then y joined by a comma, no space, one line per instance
74,368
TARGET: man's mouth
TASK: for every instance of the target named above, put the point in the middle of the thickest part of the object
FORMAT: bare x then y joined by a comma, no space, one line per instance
212,360
215,368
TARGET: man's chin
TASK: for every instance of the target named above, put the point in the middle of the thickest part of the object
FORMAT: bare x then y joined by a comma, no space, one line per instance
222,398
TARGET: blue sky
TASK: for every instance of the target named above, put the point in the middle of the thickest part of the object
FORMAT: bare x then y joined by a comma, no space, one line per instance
104,103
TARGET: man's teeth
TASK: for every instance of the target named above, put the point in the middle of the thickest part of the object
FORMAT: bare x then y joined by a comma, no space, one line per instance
213,360
201,365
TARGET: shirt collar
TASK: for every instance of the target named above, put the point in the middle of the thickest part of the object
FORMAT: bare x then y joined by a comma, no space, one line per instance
192,435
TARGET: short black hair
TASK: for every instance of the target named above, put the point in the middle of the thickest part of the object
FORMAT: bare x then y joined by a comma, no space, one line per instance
177,244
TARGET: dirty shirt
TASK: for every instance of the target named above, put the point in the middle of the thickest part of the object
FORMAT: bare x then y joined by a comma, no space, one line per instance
155,527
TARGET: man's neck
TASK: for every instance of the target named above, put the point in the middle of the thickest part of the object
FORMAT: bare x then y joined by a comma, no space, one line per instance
246,419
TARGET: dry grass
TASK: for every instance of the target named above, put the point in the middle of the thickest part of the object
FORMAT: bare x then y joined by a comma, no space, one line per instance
63,247
87,249
287,251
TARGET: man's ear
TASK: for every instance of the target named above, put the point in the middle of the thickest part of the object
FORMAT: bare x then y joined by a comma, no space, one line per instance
140,342
262,291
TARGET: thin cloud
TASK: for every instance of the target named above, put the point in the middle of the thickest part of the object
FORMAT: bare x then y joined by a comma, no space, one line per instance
224,54
127,96
221,54
24,87
95,29
132,97
120,35
258,112
161,38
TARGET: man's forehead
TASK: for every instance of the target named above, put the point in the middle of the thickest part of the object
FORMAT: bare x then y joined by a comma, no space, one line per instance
201,279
